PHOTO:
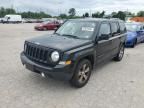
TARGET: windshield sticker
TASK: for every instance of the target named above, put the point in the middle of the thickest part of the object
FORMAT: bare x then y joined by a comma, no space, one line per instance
87,29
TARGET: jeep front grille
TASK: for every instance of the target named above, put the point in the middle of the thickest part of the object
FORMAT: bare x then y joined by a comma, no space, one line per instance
37,53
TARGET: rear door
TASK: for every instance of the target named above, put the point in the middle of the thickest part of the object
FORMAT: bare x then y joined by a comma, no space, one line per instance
116,37
103,46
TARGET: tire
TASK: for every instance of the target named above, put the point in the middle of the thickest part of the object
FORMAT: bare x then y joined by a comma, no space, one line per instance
134,44
142,41
82,74
45,29
120,54
55,28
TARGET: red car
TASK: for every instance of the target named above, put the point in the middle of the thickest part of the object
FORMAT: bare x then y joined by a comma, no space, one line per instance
48,25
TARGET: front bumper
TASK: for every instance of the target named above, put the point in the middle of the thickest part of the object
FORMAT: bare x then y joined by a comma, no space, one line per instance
129,43
60,72
38,28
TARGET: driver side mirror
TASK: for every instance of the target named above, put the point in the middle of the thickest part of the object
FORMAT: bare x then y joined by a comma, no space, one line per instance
103,37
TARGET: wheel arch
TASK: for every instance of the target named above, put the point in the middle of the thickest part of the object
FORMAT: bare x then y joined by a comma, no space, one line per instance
89,57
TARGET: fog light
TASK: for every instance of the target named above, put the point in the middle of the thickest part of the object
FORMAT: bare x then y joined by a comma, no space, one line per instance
42,74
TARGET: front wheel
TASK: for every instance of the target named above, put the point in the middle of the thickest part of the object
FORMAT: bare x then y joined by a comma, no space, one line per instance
134,43
44,28
120,54
142,41
82,74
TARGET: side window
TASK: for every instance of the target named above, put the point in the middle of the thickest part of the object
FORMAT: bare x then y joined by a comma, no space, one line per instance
57,22
122,27
115,28
138,28
141,28
104,31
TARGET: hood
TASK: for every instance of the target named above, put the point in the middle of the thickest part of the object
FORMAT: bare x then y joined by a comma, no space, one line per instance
59,42
131,35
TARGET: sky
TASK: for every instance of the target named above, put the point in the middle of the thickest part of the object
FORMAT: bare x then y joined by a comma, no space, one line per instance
55,7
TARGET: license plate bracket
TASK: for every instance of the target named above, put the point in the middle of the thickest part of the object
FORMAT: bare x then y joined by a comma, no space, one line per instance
30,67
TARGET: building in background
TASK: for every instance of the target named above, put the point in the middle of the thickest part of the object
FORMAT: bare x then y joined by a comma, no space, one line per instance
137,19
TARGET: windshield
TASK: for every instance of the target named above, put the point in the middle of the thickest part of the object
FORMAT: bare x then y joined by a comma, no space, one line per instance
77,29
45,22
132,27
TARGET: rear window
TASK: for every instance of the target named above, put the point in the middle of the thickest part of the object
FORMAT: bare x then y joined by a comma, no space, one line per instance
115,28
122,27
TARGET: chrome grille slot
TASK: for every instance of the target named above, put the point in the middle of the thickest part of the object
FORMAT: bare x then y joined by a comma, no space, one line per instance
36,53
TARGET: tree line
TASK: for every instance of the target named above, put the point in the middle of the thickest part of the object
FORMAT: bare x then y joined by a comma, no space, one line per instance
71,14
35,15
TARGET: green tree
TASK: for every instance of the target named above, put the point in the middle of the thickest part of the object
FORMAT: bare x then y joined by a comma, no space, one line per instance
6,11
72,12
10,11
120,14
63,16
34,15
101,15
140,14
98,14
86,14
95,15
130,13
2,12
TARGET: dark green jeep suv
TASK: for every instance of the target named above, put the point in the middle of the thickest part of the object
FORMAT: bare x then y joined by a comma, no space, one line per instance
75,49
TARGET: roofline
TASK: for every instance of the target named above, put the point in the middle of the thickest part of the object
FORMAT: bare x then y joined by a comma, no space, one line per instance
96,19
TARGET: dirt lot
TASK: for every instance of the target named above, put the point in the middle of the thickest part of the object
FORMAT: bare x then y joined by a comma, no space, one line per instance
112,85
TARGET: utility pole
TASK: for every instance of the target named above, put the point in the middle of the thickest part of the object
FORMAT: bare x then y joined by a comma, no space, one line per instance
90,13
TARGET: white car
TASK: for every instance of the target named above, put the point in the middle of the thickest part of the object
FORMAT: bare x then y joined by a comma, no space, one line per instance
12,19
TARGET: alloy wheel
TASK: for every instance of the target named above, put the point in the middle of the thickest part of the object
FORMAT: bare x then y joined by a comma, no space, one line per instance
121,53
84,73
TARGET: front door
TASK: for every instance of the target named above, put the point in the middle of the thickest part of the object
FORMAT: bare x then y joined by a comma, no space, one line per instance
104,45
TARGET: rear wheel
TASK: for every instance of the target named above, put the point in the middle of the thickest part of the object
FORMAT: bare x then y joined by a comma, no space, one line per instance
55,28
82,74
120,54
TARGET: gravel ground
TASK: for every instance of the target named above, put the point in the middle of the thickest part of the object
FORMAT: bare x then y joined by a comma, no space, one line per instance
112,85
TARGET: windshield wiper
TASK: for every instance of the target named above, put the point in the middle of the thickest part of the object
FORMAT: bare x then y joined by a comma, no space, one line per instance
57,33
69,35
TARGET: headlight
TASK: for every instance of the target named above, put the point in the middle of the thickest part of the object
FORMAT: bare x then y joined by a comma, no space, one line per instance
55,56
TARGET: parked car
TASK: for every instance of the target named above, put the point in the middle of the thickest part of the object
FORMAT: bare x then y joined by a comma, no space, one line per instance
73,51
47,25
12,19
49,19
1,20
135,34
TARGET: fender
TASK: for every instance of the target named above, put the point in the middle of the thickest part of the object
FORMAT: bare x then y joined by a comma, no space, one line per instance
82,52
